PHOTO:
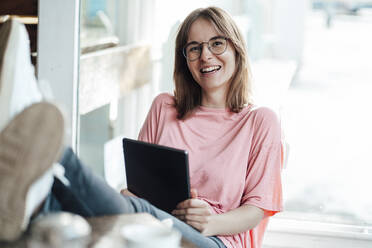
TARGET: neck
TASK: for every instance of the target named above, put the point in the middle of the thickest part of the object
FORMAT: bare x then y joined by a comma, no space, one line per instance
214,99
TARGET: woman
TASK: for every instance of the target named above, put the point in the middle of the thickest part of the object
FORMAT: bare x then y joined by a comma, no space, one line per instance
234,148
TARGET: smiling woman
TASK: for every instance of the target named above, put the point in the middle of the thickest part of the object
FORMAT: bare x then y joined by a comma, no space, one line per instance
234,147
228,68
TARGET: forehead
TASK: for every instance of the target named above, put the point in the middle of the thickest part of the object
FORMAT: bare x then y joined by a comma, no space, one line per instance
202,30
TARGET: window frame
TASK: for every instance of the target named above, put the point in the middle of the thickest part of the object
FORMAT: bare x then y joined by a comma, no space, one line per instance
290,233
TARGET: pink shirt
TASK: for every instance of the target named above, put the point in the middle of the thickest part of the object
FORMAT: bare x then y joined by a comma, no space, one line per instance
234,158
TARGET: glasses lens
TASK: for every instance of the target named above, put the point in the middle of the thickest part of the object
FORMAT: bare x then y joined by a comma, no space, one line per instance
192,51
217,45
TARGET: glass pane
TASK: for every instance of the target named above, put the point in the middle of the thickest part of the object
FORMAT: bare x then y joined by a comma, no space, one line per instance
98,22
327,119
325,112
97,32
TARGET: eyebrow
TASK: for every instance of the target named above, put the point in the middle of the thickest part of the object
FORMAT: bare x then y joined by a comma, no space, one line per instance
214,37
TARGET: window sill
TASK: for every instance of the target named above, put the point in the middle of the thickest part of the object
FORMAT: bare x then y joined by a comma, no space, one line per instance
305,234
111,73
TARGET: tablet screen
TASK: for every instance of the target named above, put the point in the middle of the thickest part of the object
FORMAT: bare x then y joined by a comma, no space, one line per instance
157,173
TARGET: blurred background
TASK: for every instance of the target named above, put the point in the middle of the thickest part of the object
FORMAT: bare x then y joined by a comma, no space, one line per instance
311,62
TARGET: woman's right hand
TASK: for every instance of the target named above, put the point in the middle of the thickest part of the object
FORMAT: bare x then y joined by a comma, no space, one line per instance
126,192
197,213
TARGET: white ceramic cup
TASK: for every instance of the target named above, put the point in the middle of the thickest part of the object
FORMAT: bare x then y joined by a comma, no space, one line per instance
150,236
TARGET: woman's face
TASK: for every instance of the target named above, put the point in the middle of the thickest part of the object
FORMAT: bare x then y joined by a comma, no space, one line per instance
212,72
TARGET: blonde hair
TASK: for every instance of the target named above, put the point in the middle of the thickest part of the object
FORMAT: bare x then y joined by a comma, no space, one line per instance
188,94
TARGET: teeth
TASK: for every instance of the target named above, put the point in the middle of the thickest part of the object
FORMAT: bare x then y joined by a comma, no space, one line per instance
209,69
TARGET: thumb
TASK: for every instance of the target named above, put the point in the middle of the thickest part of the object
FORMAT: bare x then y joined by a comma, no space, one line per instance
126,192
194,193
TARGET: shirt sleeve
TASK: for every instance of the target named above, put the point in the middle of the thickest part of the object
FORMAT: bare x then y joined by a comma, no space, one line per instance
149,127
263,186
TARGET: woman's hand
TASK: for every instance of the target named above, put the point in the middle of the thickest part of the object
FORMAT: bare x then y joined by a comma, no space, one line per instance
126,192
197,213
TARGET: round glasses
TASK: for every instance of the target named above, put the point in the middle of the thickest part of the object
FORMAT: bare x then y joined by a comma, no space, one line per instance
217,45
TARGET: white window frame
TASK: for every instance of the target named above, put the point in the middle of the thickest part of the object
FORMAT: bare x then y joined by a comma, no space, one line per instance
290,233
58,58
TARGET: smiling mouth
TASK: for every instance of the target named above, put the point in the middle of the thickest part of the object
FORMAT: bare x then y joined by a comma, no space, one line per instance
210,69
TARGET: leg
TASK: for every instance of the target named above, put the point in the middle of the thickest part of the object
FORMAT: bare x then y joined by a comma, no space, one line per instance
89,190
28,146
188,232
95,197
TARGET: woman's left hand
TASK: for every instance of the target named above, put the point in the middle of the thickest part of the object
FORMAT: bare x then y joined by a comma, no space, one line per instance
197,213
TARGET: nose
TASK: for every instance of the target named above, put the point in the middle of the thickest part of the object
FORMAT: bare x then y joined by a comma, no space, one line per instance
205,52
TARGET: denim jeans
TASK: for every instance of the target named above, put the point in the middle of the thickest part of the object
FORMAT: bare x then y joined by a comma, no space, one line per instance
89,195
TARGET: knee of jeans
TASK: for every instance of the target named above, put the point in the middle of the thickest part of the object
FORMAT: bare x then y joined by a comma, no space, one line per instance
66,155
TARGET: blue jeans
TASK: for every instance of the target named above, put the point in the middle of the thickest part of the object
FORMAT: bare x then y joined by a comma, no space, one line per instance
89,195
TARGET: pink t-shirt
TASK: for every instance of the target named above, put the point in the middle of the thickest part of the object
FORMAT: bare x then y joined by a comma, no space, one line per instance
234,158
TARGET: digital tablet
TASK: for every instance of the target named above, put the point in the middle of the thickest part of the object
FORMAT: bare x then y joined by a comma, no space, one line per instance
157,173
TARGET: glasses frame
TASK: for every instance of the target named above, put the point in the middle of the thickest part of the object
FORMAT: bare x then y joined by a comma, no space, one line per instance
201,47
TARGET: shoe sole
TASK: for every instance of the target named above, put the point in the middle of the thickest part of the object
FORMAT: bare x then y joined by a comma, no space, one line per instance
29,145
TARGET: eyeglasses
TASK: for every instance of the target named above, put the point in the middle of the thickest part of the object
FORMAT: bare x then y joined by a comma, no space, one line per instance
217,45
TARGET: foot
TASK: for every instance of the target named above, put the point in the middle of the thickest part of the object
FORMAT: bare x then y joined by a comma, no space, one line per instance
29,145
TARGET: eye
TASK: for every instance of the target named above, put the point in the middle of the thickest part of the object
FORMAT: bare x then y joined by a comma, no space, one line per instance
193,48
217,43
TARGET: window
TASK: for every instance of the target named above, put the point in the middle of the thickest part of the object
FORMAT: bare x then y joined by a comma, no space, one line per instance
326,118
325,114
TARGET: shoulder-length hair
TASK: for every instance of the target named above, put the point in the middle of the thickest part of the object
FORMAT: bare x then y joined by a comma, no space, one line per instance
188,93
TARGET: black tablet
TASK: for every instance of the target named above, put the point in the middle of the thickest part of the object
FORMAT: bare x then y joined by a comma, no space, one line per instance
157,173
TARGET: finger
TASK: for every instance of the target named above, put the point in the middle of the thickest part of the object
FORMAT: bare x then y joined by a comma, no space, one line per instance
180,217
184,204
192,203
196,211
126,192
194,193
196,218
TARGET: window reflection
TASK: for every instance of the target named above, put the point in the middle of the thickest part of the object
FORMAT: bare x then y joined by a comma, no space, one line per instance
97,25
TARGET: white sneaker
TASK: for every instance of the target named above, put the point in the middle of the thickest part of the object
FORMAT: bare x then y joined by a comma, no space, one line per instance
18,86
29,145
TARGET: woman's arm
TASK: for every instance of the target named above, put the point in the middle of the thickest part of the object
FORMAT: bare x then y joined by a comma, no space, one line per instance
236,221
199,214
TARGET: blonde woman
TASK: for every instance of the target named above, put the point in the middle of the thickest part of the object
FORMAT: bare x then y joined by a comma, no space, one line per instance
234,147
